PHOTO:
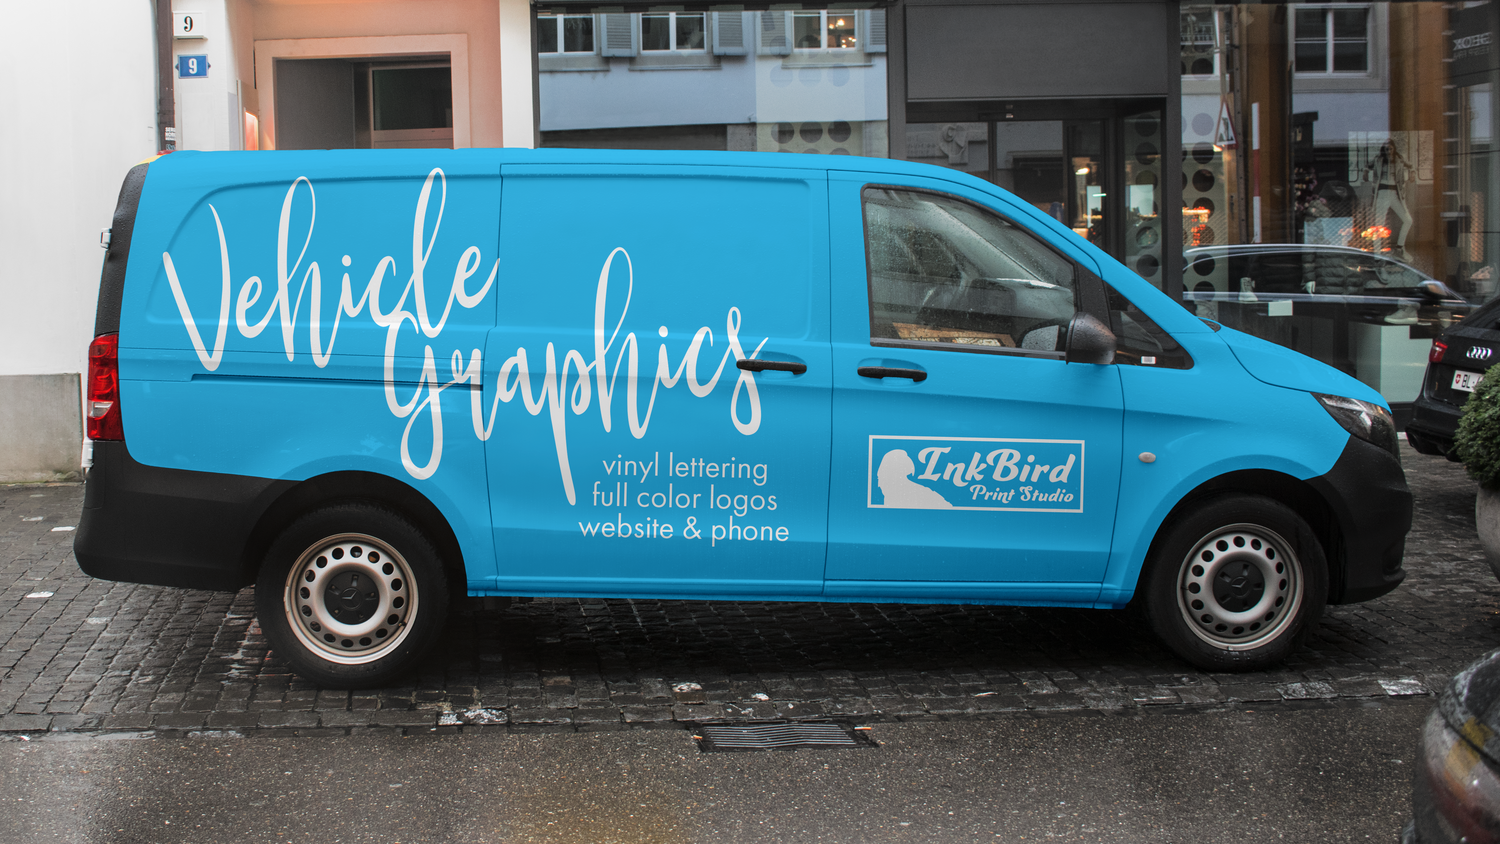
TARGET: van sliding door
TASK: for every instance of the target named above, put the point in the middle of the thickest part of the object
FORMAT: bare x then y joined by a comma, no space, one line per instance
658,382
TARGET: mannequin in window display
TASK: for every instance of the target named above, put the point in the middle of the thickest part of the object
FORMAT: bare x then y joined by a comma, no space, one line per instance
1389,173
1330,215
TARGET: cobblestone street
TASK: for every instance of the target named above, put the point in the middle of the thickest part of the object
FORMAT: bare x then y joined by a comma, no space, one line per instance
78,654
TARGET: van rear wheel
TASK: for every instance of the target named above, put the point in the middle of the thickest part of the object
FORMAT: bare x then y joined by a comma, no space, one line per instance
351,595
1236,584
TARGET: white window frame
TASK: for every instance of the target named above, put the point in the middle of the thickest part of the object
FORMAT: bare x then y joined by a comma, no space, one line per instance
672,33
557,46
1328,41
823,45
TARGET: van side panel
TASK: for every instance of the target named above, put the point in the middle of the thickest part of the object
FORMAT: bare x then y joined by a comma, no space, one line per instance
631,454
288,315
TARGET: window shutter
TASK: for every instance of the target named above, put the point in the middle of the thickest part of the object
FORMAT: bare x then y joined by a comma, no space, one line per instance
875,31
774,38
620,34
729,34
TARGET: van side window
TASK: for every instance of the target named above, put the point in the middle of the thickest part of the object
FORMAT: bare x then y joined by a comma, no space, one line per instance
946,273
1139,341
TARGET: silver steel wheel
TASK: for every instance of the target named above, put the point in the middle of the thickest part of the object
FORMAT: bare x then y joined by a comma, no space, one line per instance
349,598
1240,587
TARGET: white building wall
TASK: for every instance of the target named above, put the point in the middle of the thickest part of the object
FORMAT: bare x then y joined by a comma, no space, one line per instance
80,105
208,109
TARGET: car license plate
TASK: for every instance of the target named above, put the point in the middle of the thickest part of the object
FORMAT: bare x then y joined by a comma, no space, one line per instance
1467,381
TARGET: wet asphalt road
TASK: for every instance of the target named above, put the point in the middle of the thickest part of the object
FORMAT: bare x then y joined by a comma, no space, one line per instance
1326,774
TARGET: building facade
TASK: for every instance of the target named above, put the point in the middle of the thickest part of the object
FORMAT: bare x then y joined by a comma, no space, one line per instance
1229,153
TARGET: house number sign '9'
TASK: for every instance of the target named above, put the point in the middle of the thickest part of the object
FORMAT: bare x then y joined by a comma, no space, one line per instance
185,25
190,67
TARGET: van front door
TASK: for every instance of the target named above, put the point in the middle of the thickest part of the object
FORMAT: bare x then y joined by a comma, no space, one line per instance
970,461
658,382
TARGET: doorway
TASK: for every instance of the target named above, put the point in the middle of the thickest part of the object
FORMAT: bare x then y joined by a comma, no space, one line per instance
364,103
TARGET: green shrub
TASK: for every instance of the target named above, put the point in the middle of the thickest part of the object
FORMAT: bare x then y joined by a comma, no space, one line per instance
1478,440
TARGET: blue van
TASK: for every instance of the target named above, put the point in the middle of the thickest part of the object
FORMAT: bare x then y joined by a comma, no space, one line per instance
373,382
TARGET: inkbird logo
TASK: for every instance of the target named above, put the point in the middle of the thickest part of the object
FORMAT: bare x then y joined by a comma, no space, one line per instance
970,473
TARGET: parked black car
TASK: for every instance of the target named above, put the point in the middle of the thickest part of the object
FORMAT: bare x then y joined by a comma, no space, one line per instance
1361,312
1454,368
1456,797
1319,280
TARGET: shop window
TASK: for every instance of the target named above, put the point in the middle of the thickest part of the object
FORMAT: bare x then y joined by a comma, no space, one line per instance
824,30
564,34
1330,40
947,274
675,32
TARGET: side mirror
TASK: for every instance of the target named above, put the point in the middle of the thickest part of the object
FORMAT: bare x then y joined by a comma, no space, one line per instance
1089,341
1433,290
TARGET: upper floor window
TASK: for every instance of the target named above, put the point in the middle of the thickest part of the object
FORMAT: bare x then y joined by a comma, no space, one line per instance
564,33
1200,41
677,32
1331,39
824,30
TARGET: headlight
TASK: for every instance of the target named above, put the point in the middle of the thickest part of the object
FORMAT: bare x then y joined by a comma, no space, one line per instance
1370,422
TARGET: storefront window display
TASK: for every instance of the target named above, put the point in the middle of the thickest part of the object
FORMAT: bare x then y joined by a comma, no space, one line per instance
1338,190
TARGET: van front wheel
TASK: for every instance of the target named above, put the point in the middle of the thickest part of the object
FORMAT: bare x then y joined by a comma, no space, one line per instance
351,595
1236,584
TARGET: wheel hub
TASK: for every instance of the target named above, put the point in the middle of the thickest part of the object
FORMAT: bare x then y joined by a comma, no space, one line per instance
349,600
1239,591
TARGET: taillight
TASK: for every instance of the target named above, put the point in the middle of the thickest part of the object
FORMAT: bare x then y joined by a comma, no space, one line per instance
1435,354
102,401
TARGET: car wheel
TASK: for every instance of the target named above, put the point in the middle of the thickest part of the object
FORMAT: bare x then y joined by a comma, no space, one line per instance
351,595
1236,583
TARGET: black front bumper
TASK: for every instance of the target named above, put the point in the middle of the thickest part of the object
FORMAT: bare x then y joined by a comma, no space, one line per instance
1367,494
169,527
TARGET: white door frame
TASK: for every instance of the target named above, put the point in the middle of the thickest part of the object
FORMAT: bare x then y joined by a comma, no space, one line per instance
456,46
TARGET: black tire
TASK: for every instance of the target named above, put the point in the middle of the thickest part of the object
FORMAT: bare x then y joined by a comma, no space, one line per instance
1236,583
351,595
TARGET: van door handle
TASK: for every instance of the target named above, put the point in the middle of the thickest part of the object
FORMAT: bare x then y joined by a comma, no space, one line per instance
757,365
917,375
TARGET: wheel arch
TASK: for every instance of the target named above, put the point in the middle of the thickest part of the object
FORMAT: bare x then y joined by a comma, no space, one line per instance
352,486
1299,495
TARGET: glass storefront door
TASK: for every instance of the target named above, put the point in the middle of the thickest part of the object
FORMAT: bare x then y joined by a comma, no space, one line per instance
1098,175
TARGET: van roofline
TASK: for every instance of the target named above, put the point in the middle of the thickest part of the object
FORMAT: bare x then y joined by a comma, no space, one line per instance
687,158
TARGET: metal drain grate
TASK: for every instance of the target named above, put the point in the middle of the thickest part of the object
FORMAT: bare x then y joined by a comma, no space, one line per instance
779,735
